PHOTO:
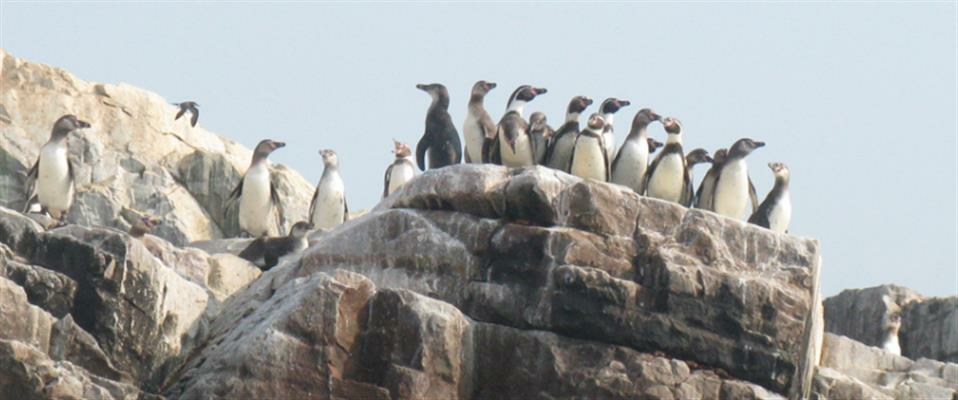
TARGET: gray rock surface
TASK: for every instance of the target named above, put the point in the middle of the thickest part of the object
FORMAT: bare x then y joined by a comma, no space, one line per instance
929,324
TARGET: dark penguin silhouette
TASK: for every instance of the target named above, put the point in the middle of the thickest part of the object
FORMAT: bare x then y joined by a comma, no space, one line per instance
697,156
703,197
560,147
192,108
265,252
440,140
775,212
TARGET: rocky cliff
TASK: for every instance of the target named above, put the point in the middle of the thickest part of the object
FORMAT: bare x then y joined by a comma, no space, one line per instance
471,282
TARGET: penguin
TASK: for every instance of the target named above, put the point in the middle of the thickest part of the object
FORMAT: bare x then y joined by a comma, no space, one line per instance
50,180
733,187
703,196
400,171
328,207
560,149
632,160
589,158
890,325
607,109
541,134
192,108
440,138
512,146
479,126
142,226
265,252
255,192
668,176
694,157
775,212
654,145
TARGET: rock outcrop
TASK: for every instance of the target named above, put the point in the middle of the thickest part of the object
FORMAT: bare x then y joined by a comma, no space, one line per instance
134,155
929,324
470,282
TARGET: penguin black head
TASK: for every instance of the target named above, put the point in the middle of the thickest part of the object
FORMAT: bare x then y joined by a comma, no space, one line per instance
330,159
596,122
644,117
66,124
435,90
672,126
697,156
400,149
718,157
743,147
780,170
300,229
654,145
578,104
612,105
482,87
524,94
265,148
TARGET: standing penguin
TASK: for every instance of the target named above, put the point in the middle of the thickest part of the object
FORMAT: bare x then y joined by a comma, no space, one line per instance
608,108
890,325
697,156
265,252
668,176
256,193
541,134
560,149
479,127
632,160
589,158
440,139
402,170
703,197
328,208
733,187
512,146
775,212
50,180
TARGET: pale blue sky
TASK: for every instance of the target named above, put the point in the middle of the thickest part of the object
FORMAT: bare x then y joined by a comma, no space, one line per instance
858,99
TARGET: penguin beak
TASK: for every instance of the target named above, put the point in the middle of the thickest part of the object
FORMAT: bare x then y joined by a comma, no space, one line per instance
588,102
309,226
421,87
656,117
708,159
540,91
759,144
624,103
82,124
280,144
490,85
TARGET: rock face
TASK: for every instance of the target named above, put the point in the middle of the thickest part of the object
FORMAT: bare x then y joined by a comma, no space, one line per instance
134,155
471,282
929,325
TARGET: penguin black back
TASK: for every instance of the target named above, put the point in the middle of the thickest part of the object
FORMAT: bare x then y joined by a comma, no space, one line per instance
440,139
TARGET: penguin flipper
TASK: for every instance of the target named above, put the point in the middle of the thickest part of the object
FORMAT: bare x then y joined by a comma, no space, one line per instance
466,156
389,173
760,217
179,114
274,202
687,192
752,196
196,116
30,184
605,160
650,171
233,197
345,209
495,153
421,148
312,203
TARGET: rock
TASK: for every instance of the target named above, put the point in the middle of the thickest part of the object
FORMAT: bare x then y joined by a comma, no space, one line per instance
850,369
693,284
134,155
229,274
22,321
51,291
27,373
929,325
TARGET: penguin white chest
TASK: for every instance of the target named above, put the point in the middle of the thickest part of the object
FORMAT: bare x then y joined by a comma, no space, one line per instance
400,174
608,138
330,208
588,159
668,178
891,344
255,202
731,193
521,157
54,187
474,138
633,161
781,214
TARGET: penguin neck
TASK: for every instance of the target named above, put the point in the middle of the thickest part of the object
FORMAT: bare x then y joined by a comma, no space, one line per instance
476,100
608,118
673,139
590,133
58,137
259,161
517,106
439,102
781,184
572,116
639,132
330,169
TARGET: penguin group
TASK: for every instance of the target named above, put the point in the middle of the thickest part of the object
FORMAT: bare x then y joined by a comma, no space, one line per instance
588,152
